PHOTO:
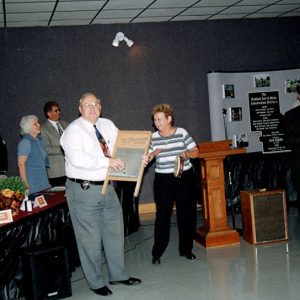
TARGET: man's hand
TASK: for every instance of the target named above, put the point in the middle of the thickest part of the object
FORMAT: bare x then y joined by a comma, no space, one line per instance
117,164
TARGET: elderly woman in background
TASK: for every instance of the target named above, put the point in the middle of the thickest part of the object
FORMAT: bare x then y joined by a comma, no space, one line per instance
32,156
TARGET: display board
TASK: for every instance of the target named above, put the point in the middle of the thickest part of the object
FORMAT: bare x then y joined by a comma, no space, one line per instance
247,107
130,146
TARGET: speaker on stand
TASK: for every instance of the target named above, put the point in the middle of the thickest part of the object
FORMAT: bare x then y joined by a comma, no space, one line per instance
46,273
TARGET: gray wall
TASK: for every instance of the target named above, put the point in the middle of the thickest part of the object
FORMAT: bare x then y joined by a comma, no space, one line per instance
168,63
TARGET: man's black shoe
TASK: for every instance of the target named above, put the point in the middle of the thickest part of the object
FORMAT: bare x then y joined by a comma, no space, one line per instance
188,255
104,291
129,281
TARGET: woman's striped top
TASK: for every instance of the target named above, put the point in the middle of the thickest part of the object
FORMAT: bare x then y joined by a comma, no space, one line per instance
171,146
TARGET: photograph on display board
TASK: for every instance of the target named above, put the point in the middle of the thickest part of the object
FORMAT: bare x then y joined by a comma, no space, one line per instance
290,85
243,140
228,91
262,80
235,114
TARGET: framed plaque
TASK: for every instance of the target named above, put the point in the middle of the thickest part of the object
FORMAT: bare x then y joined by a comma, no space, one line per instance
40,201
6,216
130,147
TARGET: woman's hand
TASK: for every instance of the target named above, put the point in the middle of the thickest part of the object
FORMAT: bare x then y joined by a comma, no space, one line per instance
193,153
145,159
154,154
183,155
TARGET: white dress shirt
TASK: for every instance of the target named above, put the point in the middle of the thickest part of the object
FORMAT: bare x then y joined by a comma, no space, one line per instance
84,158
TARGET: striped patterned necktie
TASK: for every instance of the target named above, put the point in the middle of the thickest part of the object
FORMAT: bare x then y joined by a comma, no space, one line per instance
60,131
102,142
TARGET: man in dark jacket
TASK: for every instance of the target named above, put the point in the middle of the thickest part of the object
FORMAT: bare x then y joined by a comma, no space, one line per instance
292,140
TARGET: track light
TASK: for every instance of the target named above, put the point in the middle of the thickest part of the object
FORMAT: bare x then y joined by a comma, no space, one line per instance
121,37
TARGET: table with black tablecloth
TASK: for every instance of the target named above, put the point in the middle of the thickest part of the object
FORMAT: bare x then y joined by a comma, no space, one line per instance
48,226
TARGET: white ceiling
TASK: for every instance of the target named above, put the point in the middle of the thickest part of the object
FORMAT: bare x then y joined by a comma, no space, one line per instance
29,13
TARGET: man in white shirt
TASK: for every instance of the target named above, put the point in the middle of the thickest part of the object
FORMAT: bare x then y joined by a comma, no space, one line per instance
97,219
52,129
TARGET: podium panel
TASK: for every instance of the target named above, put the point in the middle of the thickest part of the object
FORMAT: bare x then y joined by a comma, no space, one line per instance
264,216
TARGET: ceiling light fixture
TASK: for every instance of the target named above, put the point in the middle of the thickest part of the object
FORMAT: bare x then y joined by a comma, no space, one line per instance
121,37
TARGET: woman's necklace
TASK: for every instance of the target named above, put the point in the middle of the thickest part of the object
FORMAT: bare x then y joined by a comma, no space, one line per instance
168,133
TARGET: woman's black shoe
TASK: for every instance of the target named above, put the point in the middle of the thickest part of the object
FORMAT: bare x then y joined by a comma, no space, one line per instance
188,255
156,260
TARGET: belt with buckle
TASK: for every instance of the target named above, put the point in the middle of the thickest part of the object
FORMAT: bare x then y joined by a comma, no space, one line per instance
86,181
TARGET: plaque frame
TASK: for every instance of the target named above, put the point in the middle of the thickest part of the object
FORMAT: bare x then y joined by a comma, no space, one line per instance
130,145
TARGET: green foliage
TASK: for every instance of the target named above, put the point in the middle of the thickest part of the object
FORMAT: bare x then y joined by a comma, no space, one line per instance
13,183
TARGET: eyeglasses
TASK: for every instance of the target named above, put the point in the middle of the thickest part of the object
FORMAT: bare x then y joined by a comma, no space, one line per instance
90,105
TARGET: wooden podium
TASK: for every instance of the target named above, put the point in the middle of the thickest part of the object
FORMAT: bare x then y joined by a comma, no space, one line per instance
215,231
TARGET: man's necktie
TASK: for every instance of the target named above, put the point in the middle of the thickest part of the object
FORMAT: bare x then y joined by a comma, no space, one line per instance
60,131
102,142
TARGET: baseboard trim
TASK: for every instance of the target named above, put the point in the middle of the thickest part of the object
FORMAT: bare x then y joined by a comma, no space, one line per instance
145,208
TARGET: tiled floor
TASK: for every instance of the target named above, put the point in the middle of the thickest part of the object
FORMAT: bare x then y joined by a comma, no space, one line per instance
243,271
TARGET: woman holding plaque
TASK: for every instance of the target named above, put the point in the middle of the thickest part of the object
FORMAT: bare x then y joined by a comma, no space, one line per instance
174,181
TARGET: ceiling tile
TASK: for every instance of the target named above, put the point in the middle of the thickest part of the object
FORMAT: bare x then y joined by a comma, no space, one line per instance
28,7
69,22
203,10
22,1
288,2
73,15
189,18
160,12
241,9
172,3
27,24
227,16
215,3
257,2
292,14
82,5
112,21
263,15
279,8
128,4
113,13
29,17
152,19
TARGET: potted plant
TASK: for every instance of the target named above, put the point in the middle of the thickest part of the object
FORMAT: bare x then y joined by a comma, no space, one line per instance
12,193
